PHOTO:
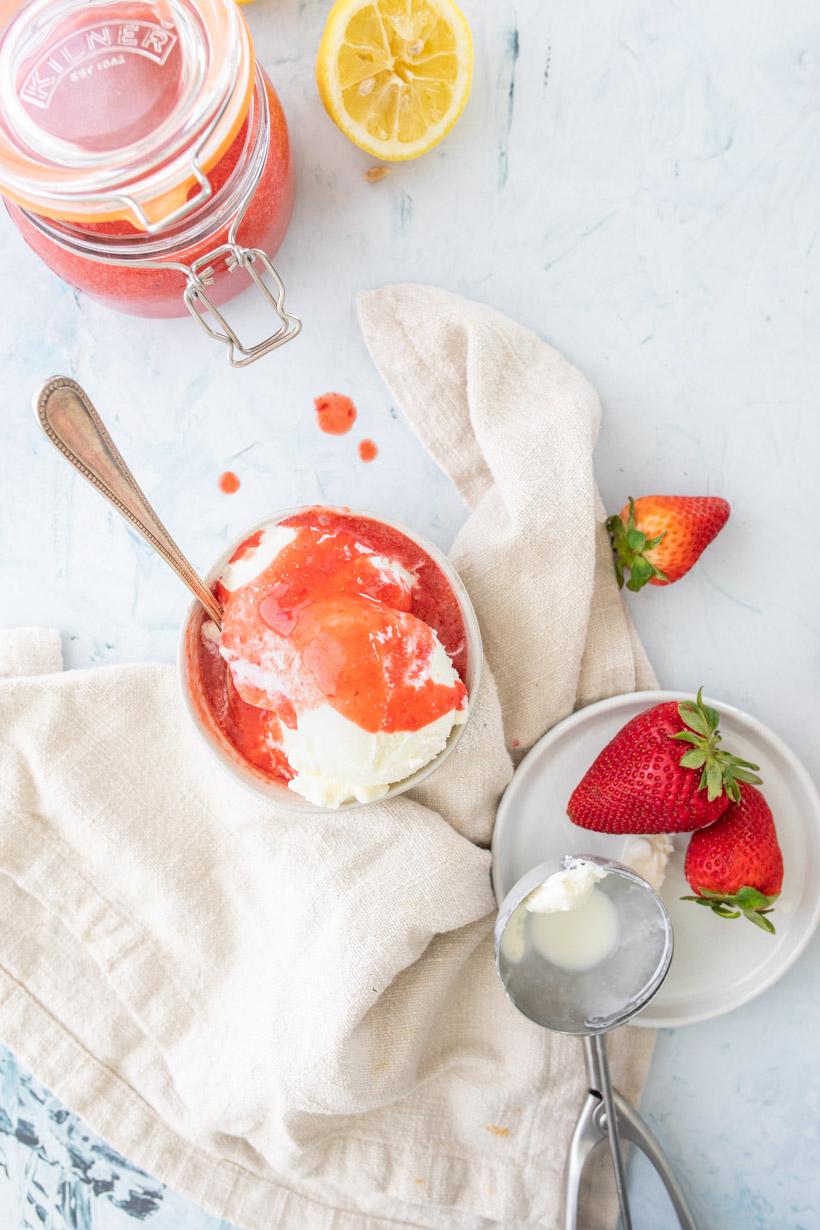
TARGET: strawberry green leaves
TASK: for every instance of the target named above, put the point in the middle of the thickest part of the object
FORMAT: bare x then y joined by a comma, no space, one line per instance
630,545
747,901
735,866
658,538
721,772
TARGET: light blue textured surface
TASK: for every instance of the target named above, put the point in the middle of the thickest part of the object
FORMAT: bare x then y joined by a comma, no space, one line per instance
57,1175
640,183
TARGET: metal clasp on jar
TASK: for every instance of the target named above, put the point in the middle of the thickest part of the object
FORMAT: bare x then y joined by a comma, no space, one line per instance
202,273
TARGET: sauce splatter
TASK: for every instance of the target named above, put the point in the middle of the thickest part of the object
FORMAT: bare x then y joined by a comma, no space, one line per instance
495,1129
229,484
336,413
368,450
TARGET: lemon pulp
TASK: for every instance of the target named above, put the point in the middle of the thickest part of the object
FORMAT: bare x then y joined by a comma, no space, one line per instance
395,75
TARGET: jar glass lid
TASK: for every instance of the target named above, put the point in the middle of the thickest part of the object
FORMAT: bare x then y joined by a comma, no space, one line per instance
116,109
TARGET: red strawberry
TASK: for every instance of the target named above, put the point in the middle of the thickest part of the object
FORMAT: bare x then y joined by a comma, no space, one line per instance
735,866
659,537
644,781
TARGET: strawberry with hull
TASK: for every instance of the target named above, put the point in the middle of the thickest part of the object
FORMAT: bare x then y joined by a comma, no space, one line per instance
735,866
643,782
658,538
664,772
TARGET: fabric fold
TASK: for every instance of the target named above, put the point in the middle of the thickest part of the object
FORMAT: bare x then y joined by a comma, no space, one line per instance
296,1020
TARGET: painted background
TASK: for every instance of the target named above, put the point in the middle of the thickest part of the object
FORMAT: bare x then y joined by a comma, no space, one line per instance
638,181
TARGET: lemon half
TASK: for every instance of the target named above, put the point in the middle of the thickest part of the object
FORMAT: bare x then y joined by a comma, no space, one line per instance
395,75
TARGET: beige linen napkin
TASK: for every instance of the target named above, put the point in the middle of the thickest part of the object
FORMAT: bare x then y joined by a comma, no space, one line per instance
294,1020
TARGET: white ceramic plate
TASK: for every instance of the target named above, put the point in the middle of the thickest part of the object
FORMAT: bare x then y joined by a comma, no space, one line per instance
718,965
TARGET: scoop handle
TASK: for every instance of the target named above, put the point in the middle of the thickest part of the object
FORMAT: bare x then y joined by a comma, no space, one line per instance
598,1065
68,418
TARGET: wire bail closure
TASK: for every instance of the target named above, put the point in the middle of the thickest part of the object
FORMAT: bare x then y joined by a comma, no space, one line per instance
201,274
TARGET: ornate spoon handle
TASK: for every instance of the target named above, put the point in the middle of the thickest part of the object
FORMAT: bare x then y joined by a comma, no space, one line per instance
71,423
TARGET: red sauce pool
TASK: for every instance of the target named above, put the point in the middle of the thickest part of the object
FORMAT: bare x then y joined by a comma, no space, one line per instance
253,732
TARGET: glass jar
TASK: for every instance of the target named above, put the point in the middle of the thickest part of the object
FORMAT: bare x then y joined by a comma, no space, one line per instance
144,156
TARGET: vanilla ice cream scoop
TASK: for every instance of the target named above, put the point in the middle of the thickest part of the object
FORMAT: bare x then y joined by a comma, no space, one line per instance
572,924
567,920
567,889
332,631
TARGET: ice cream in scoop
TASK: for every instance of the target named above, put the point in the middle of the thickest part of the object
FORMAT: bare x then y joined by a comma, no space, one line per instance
341,661
567,920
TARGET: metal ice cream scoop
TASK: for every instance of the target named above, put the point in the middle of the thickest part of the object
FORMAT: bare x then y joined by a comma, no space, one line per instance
546,978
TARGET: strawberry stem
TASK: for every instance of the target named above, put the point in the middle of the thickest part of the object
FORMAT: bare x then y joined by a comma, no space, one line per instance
720,771
629,546
748,901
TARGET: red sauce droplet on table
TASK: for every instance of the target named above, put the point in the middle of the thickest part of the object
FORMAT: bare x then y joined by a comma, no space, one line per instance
368,450
228,483
336,413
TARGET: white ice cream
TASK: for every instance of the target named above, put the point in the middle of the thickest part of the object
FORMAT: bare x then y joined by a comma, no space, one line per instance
210,632
337,761
390,569
567,889
649,856
567,920
273,539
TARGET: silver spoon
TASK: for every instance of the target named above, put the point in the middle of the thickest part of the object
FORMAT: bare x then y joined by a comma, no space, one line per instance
71,423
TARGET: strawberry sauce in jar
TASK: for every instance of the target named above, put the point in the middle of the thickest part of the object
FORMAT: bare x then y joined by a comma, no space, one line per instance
144,156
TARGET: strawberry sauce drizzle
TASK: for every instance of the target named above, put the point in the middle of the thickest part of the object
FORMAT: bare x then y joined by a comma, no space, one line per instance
254,733
362,636
246,546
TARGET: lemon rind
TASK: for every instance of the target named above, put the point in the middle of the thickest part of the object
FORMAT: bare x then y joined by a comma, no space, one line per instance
331,94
